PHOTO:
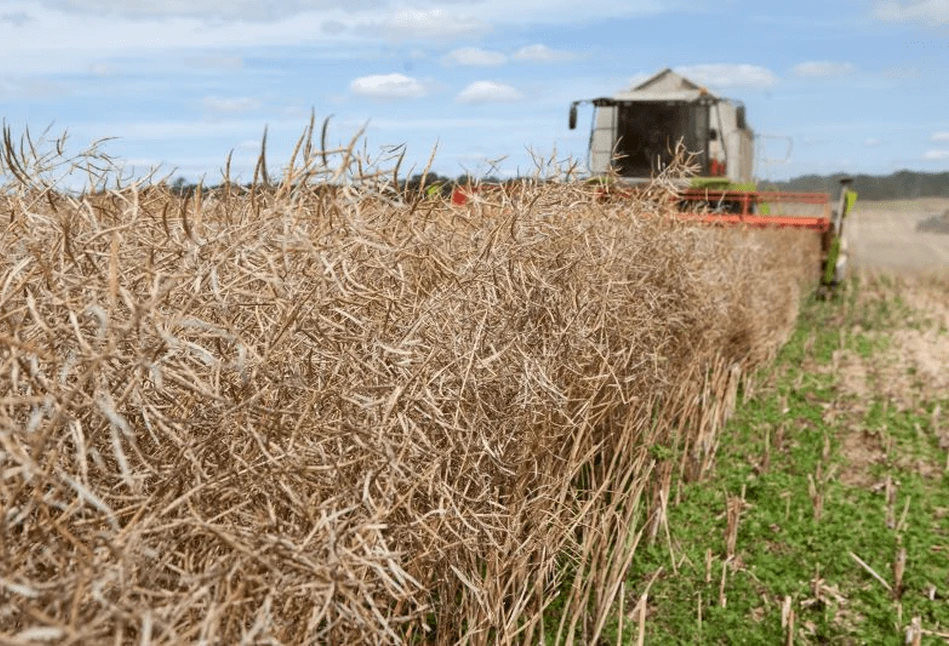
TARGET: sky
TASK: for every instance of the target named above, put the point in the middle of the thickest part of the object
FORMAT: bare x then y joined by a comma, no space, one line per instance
858,86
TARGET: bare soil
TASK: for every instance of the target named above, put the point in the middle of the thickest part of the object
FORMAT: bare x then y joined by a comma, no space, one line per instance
915,361
907,240
905,236
910,365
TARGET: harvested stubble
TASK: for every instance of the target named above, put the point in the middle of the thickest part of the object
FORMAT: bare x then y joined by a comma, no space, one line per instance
299,415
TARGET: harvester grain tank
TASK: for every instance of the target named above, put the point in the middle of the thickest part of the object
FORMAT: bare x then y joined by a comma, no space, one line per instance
636,134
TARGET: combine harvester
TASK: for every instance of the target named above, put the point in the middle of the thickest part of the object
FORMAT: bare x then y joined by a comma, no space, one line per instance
635,136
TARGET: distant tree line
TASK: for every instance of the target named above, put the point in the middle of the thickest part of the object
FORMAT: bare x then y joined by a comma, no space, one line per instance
432,183
901,185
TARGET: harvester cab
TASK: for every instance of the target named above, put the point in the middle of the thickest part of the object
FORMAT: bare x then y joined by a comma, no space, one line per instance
637,134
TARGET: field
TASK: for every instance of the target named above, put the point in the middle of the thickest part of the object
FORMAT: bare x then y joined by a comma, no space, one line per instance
901,236
329,409
825,520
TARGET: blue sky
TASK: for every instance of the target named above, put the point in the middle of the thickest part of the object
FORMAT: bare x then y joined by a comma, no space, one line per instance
860,86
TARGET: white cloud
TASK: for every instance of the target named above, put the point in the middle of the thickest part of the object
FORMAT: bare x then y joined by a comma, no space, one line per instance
387,86
92,31
216,10
940,136
726,75
333,27
489,92
816,69
936,155
229,105
493,11
17,18
930,12
542,54
105,38
872,141
430,24
474,57
571,12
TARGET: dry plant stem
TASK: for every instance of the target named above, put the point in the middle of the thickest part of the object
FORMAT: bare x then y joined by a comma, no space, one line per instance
325,409
901,524
890,492
871,571
621,614
914,632
641,636
816,495
664,501
733,509
766,460
899,567
787,620
639,612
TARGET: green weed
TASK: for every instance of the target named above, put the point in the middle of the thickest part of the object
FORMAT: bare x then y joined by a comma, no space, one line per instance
831,496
